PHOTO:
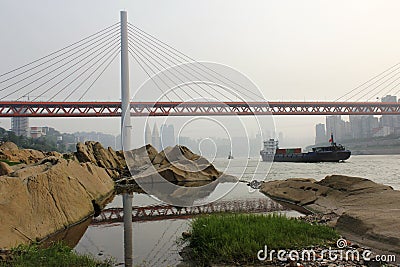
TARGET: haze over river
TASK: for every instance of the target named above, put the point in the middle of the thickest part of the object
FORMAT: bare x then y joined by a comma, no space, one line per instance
155,241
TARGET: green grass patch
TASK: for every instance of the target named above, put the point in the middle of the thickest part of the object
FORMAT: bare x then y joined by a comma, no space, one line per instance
55,255
237,238
10,163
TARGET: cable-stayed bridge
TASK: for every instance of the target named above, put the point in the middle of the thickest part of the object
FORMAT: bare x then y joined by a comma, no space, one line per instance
63,84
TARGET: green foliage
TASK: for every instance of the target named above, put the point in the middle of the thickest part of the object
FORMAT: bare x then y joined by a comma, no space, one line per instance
237,238
10,163
55,255
44,143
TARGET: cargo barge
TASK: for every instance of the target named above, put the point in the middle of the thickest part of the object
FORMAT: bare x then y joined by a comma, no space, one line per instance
332,153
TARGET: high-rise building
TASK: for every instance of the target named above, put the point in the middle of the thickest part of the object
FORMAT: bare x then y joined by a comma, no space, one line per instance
147,135
389,98
320,133
363,126
336,126
20,125
391,121
167,135
155,138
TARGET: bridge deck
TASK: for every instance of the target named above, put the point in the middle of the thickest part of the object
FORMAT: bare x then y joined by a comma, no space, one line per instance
162,212
113,109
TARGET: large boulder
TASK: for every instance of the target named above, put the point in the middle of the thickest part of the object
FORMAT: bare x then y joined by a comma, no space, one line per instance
175,175
365,211
5,169
175,164
9,151
108,159
43,198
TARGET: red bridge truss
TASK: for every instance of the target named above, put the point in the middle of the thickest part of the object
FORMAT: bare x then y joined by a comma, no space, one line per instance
113,109
162,212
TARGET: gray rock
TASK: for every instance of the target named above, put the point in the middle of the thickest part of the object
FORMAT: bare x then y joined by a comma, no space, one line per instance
367,212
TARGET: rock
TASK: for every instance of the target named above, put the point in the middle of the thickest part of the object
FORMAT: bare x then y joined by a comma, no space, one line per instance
95,153
367,212
8,146
41,199
175,175
175,164
10,151
5,169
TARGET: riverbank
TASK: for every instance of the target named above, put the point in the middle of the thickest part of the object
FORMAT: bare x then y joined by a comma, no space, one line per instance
237,239
57,254
360,209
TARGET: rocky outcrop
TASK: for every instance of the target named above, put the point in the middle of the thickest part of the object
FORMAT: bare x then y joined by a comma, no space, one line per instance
5,169
175,175
175,164
39,199
9,151
366,211
112,161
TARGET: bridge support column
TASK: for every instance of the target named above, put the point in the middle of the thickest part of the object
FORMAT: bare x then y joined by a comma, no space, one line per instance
126,133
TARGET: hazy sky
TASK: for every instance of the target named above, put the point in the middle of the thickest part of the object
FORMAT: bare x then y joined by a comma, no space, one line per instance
293,50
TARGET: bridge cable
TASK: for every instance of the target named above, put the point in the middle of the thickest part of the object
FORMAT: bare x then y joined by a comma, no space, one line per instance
159,240
109,54
151,77
62,72
178,228
172,244
156,46
178,65
28,64
391,90
380,91
145,61
64,64
81,73
361,85
101,73
373,83
55,63
186,57
145,50
161,69
85,44
181,64
59,67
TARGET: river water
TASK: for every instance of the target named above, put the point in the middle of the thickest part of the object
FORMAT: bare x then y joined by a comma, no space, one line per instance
155,241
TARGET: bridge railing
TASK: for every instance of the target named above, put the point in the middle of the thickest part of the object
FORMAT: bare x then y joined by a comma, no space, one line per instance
113,109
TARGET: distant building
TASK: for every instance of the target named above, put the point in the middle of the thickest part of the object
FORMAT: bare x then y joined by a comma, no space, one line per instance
389,98
391,121
147,134
167,135
363,126
36,132
20,126
155,138
336,126
320,134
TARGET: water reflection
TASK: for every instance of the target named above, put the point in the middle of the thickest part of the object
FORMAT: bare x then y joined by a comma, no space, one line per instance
155,241
128,236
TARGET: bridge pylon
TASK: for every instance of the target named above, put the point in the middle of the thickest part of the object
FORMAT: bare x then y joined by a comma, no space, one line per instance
126,133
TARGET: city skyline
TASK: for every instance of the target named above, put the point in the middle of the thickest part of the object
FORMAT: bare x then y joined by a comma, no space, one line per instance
358,126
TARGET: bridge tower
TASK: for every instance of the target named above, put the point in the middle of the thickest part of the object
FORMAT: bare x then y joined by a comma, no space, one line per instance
126,133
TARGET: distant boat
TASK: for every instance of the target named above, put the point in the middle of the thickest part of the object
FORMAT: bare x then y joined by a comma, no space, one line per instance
230,156
332,153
